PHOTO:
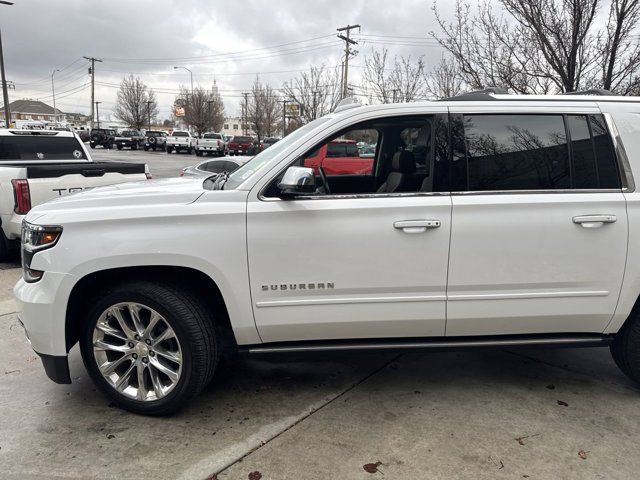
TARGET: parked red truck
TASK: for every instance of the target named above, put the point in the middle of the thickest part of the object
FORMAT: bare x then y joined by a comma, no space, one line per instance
339,157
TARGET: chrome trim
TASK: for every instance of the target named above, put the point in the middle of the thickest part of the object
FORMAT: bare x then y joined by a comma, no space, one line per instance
356,196
510,296
626,174
352,300
587,340
527,192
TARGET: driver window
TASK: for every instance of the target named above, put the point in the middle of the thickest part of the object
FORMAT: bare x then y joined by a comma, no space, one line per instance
386,156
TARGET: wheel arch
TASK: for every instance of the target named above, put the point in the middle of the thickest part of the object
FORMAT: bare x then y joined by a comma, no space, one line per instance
195,280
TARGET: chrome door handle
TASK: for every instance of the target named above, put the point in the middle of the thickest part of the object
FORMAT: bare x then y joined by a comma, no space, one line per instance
594,221
416,226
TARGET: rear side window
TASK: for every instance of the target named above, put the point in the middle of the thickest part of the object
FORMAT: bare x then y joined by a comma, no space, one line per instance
516,152
606,161
40,147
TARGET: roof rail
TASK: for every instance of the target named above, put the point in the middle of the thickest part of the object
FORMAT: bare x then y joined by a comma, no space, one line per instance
593,91
484,94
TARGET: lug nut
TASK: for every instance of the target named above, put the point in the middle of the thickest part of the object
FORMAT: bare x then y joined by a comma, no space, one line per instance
145,360
137,337
152,354
135,355
148,342
131,345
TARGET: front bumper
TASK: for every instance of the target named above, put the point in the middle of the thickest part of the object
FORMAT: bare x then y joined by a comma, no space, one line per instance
126,143
204,148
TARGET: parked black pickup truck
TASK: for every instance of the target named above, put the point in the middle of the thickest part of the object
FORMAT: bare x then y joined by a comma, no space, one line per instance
132,139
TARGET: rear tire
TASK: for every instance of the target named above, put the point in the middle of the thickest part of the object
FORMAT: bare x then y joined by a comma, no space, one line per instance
169,149
625,348
191,322
198,153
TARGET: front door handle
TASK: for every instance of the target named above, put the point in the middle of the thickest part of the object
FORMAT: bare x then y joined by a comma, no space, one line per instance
416,226
594,221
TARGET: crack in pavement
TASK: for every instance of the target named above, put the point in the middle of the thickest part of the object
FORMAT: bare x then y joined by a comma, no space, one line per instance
299,420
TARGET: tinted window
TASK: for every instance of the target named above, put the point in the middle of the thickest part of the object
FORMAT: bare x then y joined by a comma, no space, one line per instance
180,134
516,152
585,174
216,166
605,156
40,147
212,135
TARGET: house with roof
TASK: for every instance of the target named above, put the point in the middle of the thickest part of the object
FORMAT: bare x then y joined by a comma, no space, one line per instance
33,110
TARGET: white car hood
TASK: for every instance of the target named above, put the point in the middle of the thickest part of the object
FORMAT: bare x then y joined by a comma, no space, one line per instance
150,192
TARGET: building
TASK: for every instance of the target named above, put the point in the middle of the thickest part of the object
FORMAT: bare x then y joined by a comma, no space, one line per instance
33,110
233,126
78,120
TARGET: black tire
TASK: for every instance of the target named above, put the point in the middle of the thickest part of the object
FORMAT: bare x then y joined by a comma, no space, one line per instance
193,325
190,150
198,153
134,146
625,348
119,147
169,149
146,149
92,145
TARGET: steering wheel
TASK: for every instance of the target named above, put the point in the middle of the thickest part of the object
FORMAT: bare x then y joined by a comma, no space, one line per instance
325,183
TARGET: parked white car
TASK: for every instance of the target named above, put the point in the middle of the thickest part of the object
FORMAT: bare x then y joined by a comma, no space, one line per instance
40,165
208,168
497,221
180,140
211,143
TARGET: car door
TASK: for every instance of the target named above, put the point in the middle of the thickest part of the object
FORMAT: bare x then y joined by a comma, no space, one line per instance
539,229
348,266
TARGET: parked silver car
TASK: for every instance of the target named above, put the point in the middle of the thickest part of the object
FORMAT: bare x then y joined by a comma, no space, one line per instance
211,167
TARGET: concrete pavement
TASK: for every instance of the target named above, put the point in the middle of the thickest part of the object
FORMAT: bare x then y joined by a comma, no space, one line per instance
491,414
161,164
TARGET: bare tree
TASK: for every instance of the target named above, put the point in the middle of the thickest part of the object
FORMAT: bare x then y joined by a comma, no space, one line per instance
444,80
136,103
540,46
620,49
203,109
316,91
263,113
399,81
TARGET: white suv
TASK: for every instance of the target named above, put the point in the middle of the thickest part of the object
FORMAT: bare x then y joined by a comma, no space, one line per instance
495,221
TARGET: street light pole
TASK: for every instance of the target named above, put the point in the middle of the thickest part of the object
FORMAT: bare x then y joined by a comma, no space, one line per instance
98,113
53,92
149,113
191,75
3,79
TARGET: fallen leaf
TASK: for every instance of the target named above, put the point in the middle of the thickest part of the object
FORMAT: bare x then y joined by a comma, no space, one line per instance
582,454
213,477
521,440
551,387
563,404
255,475
111,436
372,467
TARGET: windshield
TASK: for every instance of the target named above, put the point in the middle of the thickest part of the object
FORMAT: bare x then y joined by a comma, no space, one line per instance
128,133
260,160
180,134
40,148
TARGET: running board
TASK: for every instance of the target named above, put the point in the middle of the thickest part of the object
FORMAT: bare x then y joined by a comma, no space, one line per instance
569,340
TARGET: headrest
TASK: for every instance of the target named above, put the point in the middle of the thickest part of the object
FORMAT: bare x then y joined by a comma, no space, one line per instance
403,162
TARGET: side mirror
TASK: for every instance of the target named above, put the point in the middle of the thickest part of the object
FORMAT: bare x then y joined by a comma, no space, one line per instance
297,181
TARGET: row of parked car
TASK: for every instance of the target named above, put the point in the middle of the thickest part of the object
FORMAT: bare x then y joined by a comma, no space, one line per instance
210,143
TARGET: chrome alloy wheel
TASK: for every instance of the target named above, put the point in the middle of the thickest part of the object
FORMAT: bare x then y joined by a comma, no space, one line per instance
137,351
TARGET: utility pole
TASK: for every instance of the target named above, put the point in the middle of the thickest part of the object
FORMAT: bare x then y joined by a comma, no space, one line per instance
284,118
5,89
92,71
98,113
245,112
315,106
395,94
148,102
53,92
348,41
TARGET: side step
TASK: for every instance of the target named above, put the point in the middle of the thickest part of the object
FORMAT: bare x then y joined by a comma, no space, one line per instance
443,343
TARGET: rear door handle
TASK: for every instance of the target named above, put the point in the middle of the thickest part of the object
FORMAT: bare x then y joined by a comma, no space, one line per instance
594,221
416,226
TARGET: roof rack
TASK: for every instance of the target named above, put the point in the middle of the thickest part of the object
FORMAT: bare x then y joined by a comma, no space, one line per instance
484,94
593,91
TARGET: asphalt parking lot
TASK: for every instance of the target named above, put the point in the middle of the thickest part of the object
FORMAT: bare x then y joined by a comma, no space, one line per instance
479,414
161,164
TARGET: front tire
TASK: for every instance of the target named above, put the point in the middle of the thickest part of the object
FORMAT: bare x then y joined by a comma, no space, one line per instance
175,347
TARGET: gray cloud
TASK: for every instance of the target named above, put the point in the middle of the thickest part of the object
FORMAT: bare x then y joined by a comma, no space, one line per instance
148,37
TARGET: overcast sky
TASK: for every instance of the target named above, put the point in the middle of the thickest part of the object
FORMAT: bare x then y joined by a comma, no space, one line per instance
230,41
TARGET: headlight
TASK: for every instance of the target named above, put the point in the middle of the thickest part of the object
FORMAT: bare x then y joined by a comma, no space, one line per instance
36,238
